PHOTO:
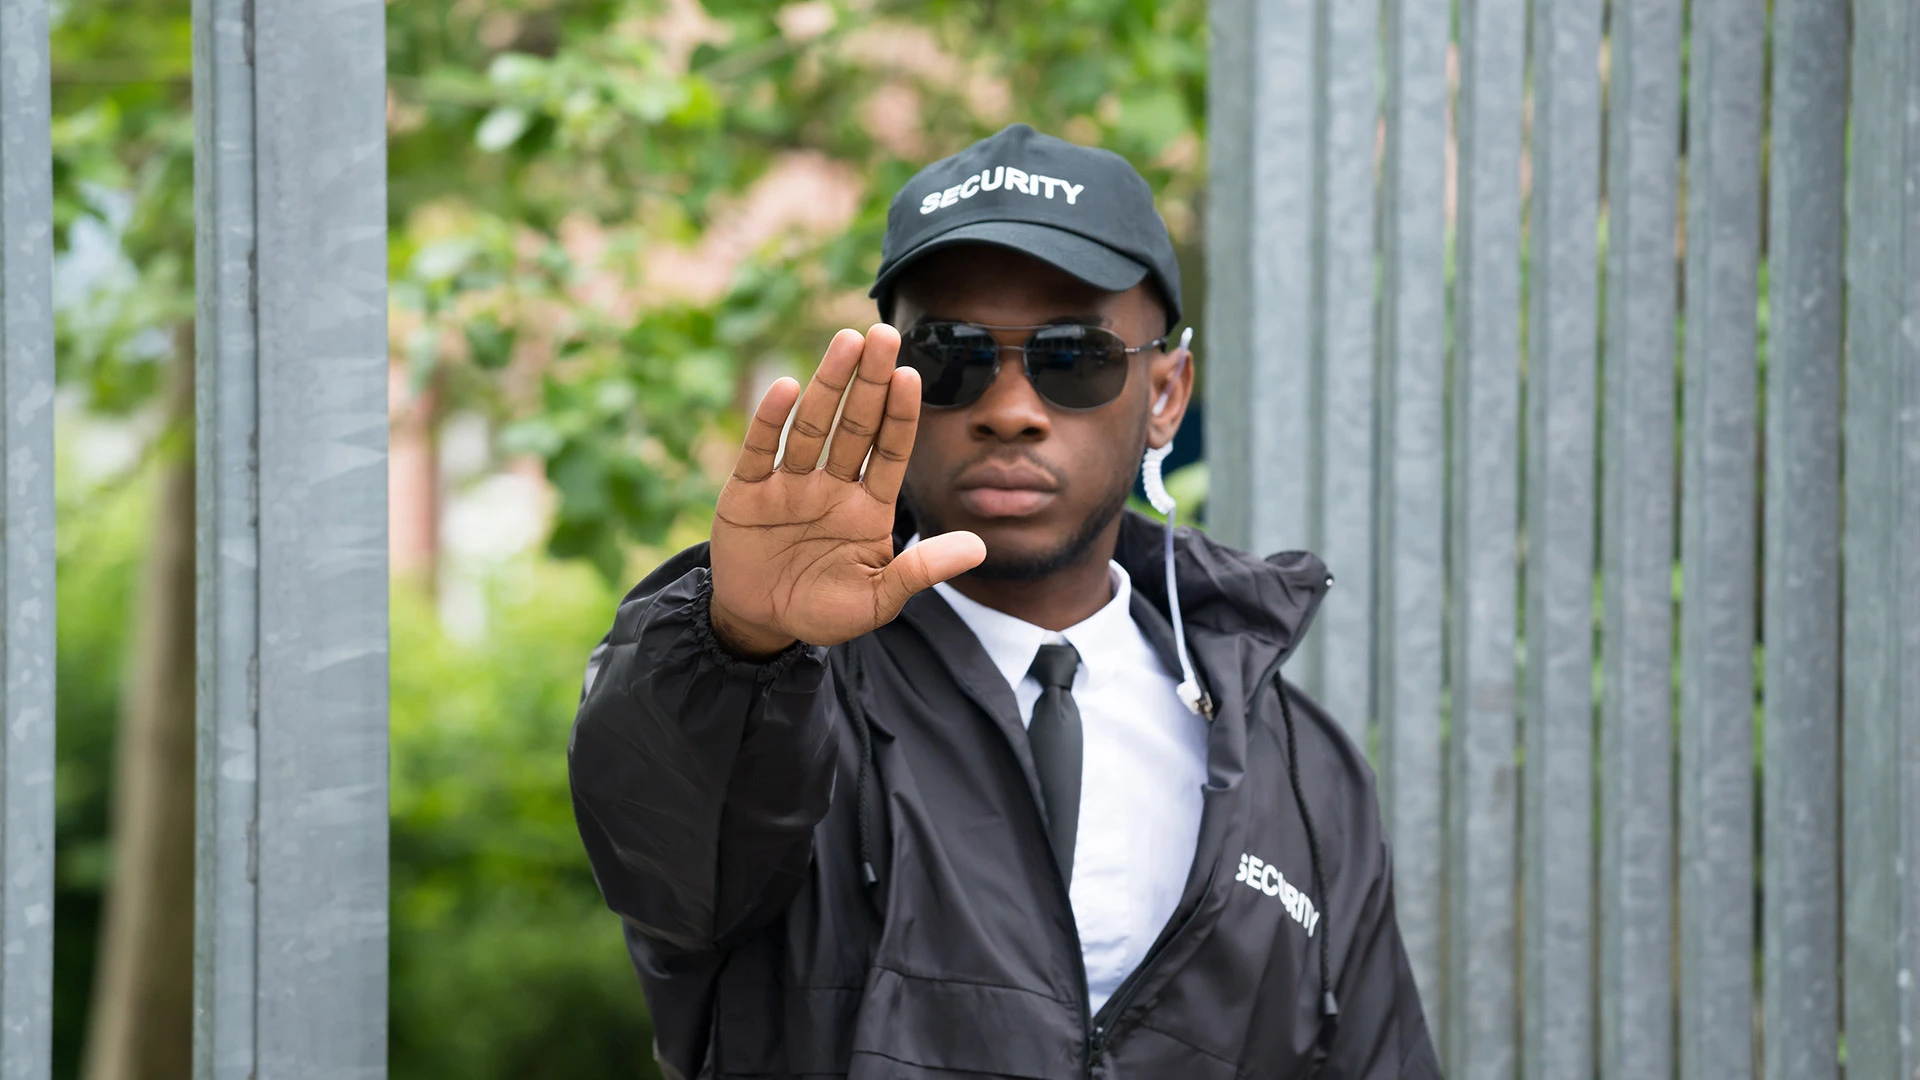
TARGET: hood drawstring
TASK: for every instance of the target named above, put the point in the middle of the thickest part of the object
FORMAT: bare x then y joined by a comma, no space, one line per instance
863,730
1329,1008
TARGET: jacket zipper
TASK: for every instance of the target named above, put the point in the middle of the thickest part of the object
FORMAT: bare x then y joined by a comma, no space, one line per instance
1100,1027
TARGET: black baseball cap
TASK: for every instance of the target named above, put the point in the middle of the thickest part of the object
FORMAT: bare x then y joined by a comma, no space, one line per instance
1083,210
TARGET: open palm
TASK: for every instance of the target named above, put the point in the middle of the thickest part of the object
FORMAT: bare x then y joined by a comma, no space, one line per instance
806,553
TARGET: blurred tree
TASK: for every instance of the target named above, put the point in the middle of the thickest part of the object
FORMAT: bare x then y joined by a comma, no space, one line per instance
506,965
123,173
660,206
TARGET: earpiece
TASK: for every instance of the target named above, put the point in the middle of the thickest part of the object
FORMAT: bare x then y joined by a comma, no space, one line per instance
1153,480
1186,340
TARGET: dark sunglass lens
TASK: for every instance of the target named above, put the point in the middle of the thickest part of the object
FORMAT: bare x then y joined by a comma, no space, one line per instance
1077,367
955,362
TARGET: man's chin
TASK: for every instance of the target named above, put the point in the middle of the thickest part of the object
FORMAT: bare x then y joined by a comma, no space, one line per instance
1022,565
1027,550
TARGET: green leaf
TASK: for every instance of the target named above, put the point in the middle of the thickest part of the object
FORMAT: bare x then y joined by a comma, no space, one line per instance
517,71
490,343
502,128
534,435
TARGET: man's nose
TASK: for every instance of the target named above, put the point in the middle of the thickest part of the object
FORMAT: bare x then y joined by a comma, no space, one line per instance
1011,409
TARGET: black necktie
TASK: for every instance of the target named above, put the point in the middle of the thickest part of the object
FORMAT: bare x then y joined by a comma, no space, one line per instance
1054,736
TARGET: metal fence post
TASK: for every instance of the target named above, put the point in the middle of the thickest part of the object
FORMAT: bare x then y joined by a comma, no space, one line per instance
1411,487
1291,310
1483,514
26,542
1881,616
1557,849
1636,540
291,906
1346,127
1259,258
1801,776
1717,546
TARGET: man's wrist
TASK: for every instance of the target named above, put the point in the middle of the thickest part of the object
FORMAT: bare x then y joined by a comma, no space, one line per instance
744,642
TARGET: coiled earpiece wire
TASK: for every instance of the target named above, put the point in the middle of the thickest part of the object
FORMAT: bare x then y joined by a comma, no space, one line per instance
1163,502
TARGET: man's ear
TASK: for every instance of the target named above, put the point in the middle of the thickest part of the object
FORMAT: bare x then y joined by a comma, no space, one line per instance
1172,388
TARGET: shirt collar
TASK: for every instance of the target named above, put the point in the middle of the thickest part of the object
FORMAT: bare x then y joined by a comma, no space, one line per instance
1012,643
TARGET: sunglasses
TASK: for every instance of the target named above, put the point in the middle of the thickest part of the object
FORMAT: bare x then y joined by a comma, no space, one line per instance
1071,366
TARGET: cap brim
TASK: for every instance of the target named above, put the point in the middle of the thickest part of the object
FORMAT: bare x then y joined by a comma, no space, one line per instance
1090,261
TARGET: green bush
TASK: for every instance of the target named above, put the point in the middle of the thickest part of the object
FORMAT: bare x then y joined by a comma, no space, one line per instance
100,533
505,961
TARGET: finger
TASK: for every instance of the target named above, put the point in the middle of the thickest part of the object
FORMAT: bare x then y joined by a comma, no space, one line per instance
866,404
762,447
891,447
814,418
928,562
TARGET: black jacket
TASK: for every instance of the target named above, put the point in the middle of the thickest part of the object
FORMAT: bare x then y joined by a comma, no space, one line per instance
836,864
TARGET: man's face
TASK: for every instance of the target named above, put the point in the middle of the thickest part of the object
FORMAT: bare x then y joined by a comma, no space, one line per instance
1043,486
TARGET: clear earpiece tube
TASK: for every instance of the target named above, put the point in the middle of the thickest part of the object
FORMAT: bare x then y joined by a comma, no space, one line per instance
1163,502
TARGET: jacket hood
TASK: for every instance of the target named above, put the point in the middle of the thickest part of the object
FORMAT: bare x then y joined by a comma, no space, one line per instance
1223,590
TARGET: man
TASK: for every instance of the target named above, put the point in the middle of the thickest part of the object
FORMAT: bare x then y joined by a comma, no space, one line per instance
905,774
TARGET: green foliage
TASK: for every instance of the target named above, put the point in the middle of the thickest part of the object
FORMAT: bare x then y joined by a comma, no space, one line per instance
506,964
643,125
99,535
123,165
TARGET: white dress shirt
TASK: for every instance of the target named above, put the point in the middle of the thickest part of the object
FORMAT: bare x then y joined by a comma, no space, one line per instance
1142,768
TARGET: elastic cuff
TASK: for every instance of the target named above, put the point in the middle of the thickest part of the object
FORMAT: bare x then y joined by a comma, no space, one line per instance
766,670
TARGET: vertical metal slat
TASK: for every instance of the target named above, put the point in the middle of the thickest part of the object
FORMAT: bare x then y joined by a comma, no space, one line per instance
1227,339
320,109
292,901
1558,778
1258,415
1801,795
1882,547
1344,287
1411,493
1717,524
1482,842
226,430
1637,538
26,542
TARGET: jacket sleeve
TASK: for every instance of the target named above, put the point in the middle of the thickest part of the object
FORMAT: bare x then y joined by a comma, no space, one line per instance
1382,1032
697,777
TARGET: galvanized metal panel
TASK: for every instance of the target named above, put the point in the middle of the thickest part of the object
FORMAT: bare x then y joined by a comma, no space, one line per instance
1481,810
320,108
1801,794
1637,540
292,908
1410,596
1227,342
1344,294
226,428
26,543
1260,311
1718,519
1558,778
1882,547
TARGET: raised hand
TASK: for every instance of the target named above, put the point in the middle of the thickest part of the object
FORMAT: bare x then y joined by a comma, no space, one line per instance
806,554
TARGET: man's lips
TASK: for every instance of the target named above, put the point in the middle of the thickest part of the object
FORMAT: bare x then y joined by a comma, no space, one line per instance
995,502
1005,489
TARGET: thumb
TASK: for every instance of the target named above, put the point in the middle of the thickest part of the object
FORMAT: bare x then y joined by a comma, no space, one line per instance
932,560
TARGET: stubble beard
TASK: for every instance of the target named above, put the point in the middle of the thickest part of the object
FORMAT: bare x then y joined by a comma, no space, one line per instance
1037,567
